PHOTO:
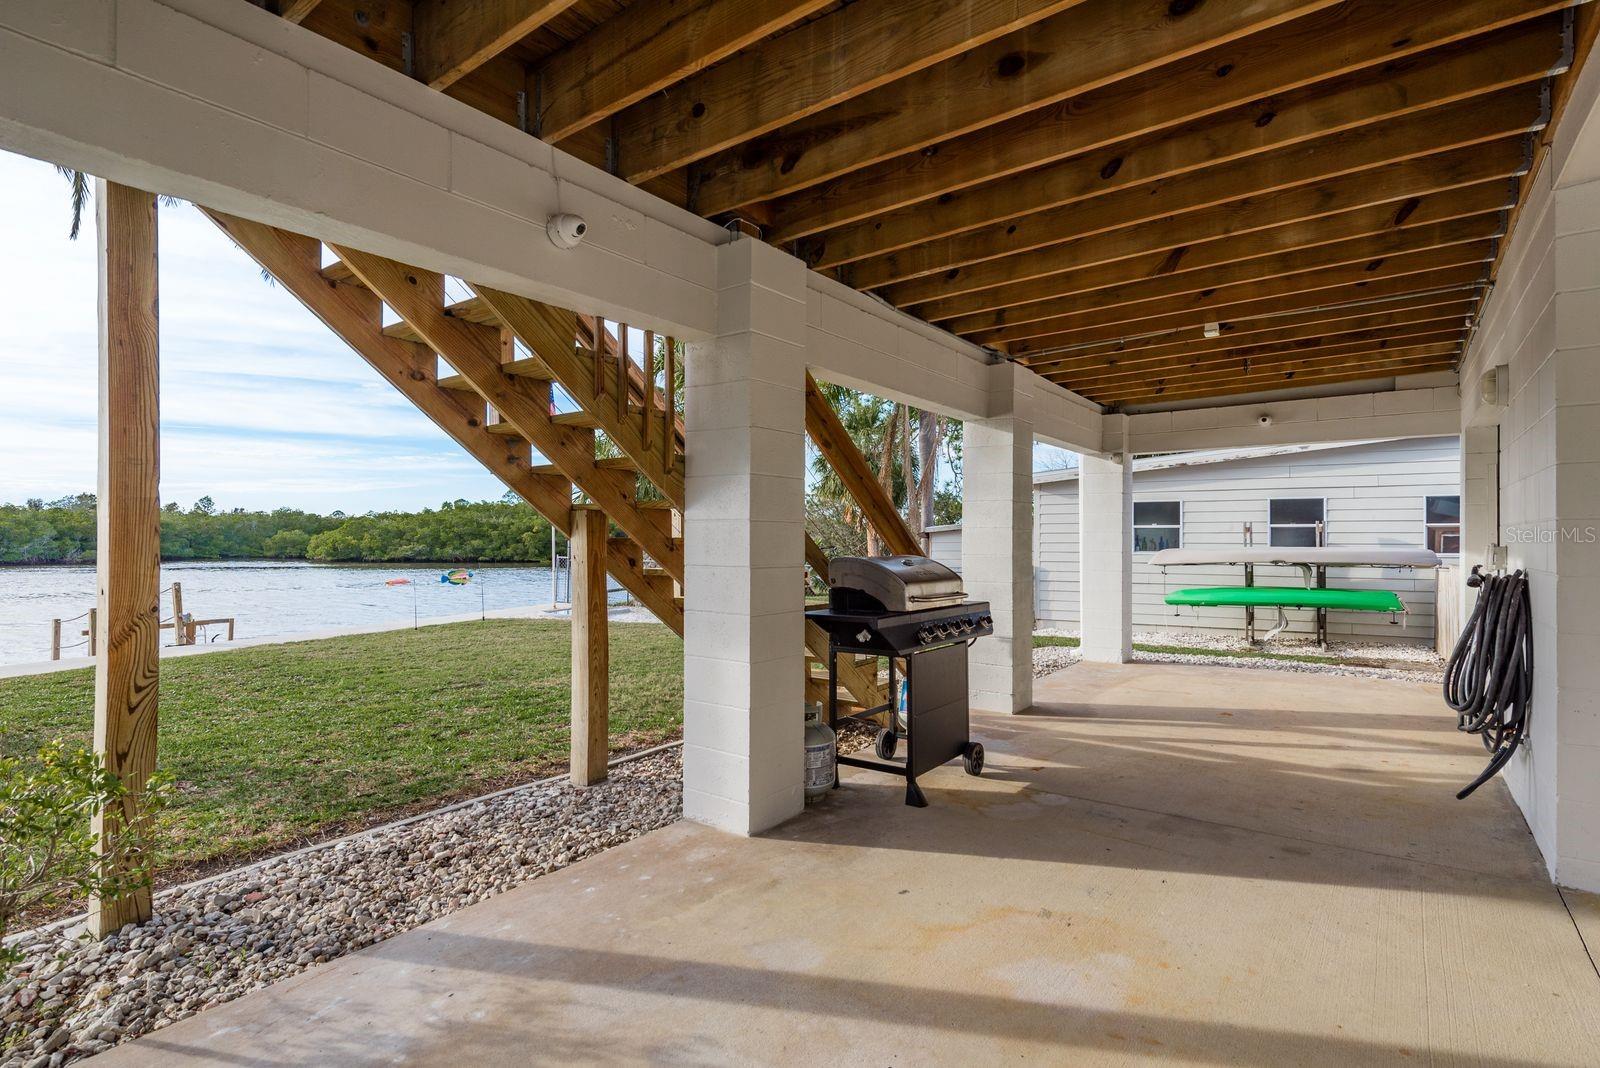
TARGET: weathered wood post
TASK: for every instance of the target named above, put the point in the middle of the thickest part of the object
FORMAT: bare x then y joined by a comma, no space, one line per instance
180,634
93,631
55,639
128,550
591,726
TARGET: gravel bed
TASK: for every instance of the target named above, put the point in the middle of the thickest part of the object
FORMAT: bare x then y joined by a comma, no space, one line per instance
1402,663
216,940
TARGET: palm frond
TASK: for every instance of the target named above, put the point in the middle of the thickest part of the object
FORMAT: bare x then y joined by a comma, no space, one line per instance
80,198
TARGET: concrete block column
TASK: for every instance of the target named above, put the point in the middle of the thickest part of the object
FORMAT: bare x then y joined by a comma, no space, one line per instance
997,540
744,531
1105,558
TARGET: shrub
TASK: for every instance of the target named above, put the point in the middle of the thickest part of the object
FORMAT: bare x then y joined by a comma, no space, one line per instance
47,847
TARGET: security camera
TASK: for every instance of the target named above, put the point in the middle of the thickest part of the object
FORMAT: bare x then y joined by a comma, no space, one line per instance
566,231
1263,419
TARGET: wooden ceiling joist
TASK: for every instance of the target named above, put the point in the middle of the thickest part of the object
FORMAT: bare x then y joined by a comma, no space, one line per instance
1300,269
1264,78
1394,183
1245,339
1040,199
1315,287
1233,383
297,10
1284,358
1335,302
836,58
1090,45
1084,185
456,37
624,60
1233,253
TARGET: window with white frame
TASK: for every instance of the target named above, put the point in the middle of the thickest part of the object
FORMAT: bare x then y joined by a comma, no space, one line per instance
1442,518
1157,525
1295,521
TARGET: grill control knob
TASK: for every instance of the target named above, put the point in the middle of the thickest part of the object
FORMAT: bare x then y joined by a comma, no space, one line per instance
924,635
986,621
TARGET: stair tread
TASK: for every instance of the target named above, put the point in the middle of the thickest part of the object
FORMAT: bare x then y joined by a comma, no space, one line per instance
339,271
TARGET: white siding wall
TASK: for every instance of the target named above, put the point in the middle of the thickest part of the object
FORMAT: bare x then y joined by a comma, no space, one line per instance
1374,497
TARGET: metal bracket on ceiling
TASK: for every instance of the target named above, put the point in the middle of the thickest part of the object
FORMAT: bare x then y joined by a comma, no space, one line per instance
1546,102
612,148
538,103
408,54
691,192
1569,39
522,111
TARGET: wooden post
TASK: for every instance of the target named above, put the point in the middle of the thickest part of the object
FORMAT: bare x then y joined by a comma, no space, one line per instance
591,714
128,549
55,639
179,633
622,371
670,416
93,632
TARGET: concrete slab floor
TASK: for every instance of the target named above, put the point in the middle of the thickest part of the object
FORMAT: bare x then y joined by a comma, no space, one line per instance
1161,863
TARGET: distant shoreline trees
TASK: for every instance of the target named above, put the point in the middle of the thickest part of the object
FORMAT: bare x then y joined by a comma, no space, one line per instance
504,531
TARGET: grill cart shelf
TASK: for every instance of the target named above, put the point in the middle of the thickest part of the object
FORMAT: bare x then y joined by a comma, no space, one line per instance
910,608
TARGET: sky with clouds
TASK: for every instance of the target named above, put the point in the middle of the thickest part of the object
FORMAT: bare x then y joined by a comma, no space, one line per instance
261,406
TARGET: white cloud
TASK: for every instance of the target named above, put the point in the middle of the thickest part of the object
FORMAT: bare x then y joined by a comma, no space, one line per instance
261,404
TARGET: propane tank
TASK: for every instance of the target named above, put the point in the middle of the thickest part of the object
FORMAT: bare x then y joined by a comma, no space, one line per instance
821,749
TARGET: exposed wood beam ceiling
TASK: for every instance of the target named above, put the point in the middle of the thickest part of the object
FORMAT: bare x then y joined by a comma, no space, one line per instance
1145,200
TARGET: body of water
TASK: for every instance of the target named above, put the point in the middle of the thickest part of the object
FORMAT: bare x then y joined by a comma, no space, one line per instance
267,598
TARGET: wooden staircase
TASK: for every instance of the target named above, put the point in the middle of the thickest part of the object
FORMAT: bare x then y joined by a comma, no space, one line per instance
498,404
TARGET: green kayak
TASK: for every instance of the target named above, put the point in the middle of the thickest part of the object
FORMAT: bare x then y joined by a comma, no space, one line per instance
1289,597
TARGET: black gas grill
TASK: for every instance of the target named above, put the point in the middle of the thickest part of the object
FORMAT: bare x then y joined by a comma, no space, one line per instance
914,611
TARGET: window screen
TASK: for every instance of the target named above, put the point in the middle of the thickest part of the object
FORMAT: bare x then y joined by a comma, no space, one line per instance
1442,518
1293,521
1157,525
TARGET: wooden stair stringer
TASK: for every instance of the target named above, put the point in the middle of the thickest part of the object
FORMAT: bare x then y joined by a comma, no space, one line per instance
473,350
551,334
354,314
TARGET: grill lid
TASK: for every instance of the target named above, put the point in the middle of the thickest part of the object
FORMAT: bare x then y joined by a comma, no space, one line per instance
899,583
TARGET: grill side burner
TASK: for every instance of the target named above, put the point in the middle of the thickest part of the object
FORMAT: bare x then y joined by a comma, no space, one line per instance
910,608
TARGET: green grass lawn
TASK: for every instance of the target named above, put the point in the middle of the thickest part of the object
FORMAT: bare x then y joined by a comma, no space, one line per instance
274,745
271,745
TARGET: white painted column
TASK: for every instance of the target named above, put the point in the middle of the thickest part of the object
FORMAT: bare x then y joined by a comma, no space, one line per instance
1105,558
997,540
744,531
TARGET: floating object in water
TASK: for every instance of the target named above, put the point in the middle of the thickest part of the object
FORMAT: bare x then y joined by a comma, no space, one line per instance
458,576
397,582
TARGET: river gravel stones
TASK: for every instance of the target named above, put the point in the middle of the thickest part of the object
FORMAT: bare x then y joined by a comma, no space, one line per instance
1406,663
215,941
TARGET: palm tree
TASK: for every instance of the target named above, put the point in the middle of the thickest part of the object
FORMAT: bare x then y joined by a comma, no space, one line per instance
904,448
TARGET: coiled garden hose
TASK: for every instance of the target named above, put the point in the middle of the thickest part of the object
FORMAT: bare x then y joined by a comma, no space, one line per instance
1489,677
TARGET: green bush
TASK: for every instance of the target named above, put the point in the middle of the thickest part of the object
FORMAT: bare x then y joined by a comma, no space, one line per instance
48,854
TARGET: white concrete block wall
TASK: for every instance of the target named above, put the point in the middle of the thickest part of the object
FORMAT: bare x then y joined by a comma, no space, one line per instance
997,540
1541,322
1105,553
1480,505
1419,406
744,531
